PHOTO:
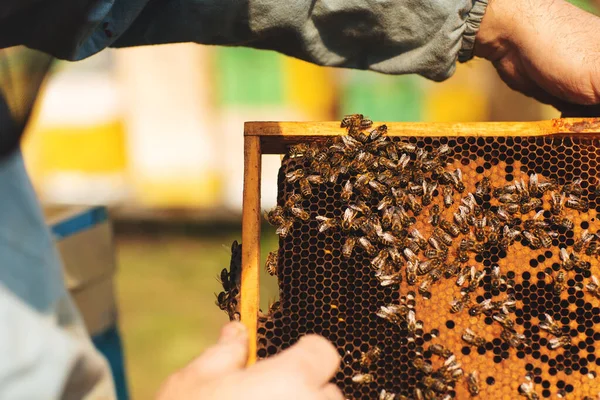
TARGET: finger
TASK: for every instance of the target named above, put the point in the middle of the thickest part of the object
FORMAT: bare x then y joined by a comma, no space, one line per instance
312,362
228,355
332,392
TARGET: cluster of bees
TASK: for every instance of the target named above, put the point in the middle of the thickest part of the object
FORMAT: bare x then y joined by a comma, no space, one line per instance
388,184
230,279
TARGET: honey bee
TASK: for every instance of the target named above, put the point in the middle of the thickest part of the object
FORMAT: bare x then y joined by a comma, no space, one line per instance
461,222
378,187
457,305
440,350
448,195
298,150
557,202
362,378
463,275
389,279
473,383
271,264
424,267
503,214
546,186
559,283
479,308
348,218
593,287
497,280
505,321
449,228
480,229
393,313
305,188
512,208
452,269
418,394
411,273
361,207
472,338
367,246
364,179
275,216
551,326
536,222
428,189
435,254
326,223
387,163
425,289
434,216
534,242
586,237
300,213
348,247
531,205
283,230
347,191
462,256
577,203
561,341
573,188
418,238
526,390
507,198
351,120
475,279
544,237
369,357
413,204
567,259
378,132
293,200
295,175
423,366
513,338
442,236
457,182
399,196
383,395
392,153
592,248
387,239
434,384
483,187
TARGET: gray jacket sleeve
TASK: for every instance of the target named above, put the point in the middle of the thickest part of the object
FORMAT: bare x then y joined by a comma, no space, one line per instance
389,36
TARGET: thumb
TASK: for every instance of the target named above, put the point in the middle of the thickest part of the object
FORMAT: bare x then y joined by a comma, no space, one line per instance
228,355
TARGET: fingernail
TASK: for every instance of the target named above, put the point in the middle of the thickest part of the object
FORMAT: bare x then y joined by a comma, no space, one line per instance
233,331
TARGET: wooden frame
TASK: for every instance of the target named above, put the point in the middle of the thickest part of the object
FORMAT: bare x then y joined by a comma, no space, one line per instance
274,137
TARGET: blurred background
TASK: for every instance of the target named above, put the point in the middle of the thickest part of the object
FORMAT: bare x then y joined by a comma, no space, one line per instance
155,133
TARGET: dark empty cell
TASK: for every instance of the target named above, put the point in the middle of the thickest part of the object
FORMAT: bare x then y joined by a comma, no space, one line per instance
466,350
533,263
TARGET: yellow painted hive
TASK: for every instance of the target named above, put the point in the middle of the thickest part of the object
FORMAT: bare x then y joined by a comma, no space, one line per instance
440,266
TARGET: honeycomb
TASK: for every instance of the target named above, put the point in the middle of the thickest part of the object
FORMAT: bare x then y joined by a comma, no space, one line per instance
504,315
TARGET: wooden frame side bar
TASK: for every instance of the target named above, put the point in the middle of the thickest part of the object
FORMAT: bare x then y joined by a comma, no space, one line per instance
276,136
251,218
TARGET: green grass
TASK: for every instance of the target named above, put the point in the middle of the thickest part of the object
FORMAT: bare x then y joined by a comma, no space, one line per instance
167,312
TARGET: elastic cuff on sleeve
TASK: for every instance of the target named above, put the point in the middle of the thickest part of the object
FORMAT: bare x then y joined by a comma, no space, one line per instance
473,22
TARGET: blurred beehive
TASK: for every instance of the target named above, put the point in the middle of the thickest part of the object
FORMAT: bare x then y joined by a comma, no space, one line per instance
533,313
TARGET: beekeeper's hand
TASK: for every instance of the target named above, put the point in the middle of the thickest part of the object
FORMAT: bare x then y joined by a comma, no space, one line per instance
300,373
546,49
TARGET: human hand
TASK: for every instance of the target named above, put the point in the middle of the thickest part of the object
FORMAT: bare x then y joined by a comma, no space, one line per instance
546,49
302,372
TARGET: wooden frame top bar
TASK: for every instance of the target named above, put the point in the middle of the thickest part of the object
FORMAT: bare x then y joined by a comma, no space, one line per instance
276,136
